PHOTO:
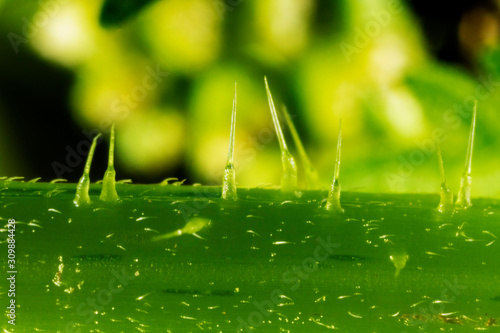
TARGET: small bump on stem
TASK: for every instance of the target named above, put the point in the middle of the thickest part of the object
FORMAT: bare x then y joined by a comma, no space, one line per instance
289,177
229,178
446,195
309,169
108,192
333,199
464,193
399,261
192,227
82,188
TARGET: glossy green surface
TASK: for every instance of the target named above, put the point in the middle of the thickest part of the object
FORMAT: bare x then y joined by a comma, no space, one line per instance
390,263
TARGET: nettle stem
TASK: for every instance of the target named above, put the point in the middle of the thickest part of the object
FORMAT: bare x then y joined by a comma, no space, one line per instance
108,192
289,177
333,199
446,201
309,170
229,178
82,188
464,193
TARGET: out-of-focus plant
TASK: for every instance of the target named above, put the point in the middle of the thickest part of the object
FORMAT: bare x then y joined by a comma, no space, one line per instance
364,62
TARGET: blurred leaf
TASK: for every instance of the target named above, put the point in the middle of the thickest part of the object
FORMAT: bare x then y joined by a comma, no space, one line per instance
490,61
439,86
116,12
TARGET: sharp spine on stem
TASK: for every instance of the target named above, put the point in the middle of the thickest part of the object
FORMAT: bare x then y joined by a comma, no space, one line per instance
108,192
82,188
289,177
464,193
309,169
229,178
333,199
446,201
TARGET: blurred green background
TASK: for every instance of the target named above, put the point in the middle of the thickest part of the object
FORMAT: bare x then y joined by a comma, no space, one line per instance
401,75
